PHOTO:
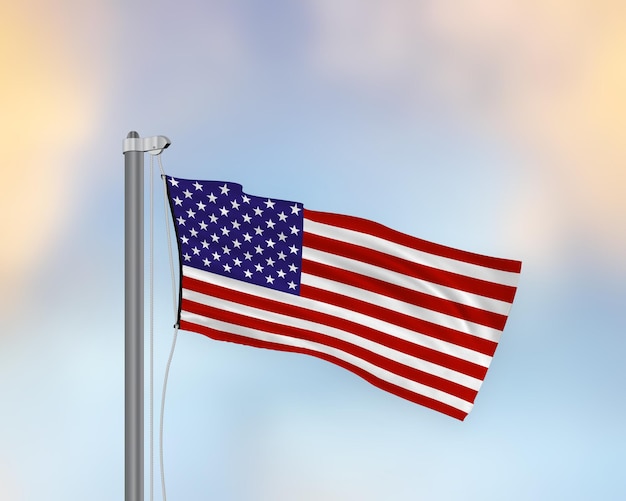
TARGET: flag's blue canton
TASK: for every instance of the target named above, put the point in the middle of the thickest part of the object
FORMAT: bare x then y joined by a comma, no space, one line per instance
223,230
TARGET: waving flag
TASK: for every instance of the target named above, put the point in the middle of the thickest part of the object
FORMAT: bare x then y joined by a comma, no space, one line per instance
417,319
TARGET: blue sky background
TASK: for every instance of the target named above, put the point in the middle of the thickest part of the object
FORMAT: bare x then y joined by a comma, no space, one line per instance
495,127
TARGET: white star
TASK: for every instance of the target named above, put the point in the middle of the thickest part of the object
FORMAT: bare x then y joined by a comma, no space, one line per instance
181,221
184,240
292,285
227,268
295,209
248,256
282,237
226,249
248,274
270,243
270,224
236,224
258,267
197,186
213,218
236,244
224,211
270,261
206,262
196,251
205,244
216,256
247,218
258,211
187,257
191,213
212,198
281,274
258,230
293,267
269,279
224,189
225,231
258,249
269,204
173,181
245,199
247,237
293,249
215,238
203,225
200,205
178,201
237,261
294,230
235,204
187,194
193,232
282,255
282,216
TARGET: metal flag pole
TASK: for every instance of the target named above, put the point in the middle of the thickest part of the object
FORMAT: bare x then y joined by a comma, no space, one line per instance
134,148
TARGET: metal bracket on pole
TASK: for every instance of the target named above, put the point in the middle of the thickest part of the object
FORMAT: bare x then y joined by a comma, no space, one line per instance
134,148
153,144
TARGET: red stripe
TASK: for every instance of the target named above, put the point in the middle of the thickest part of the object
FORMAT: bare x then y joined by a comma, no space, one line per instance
379,230
384,385
415,350
392,366
409,268
409,322
448,307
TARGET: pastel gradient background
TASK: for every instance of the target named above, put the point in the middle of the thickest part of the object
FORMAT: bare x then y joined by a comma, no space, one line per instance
497,127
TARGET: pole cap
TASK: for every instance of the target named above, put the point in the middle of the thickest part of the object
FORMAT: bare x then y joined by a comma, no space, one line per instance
153,144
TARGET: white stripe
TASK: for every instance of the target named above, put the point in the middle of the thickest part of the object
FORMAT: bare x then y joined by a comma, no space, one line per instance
385,351
459,324
383,374
410,254
416,284
318,306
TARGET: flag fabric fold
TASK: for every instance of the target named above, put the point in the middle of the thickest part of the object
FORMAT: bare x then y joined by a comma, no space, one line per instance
417,319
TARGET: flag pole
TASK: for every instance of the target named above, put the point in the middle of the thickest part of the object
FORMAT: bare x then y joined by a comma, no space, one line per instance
134,148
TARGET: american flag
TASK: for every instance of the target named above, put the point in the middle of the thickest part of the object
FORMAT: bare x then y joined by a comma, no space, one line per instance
414,318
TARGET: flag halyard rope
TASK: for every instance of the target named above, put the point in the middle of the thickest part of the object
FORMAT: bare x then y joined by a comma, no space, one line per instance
175,336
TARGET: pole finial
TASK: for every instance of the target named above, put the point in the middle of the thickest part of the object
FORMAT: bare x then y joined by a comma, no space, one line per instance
153,144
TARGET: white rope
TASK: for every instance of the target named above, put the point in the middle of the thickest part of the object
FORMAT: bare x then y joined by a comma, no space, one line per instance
167,371
175,337
169,240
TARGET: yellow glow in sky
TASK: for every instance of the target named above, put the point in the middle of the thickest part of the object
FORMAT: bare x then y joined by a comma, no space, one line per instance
47,107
